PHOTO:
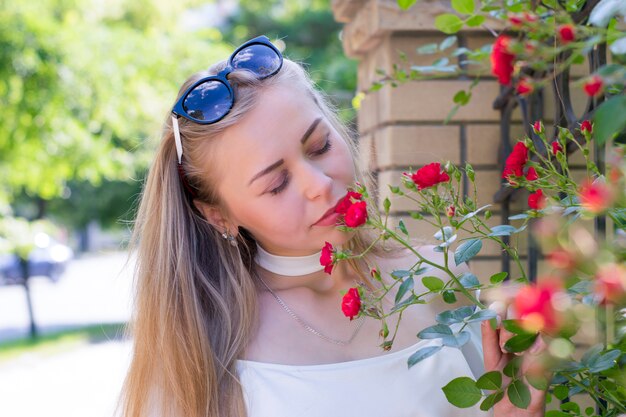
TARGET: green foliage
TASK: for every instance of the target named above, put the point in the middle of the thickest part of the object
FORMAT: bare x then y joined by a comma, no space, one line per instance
462,392
85,87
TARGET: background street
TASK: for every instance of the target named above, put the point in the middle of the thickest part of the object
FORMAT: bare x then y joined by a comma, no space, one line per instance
84,379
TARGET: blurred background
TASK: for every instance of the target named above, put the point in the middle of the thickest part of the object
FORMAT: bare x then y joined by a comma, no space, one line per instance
85,86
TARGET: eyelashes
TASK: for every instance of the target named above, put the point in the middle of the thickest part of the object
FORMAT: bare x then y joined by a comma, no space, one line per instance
327,146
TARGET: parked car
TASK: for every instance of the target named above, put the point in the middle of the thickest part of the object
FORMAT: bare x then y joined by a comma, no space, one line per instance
48,259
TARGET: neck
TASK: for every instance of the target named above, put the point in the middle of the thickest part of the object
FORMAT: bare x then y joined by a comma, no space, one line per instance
287,272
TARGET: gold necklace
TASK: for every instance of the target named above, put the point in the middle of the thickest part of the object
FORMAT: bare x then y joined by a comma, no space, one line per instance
308,327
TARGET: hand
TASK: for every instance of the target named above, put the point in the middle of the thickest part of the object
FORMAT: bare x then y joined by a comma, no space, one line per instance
496,358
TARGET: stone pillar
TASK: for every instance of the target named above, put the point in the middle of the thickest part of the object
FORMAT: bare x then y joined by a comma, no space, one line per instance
402,128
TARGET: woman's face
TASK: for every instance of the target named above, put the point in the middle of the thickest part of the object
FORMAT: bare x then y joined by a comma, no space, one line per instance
280,169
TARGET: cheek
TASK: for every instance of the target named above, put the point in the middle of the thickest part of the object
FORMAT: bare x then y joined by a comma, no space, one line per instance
343,165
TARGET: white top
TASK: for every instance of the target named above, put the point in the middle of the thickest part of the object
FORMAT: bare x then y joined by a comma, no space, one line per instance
380,386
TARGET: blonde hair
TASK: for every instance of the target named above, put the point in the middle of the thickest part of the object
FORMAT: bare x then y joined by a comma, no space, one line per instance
195,294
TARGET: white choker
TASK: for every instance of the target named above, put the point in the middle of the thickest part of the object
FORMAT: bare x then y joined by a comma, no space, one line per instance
292,266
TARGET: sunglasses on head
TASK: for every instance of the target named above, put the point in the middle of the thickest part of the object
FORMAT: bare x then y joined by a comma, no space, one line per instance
209,99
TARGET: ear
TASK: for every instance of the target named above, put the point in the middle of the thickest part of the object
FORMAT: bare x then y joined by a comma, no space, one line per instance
213,215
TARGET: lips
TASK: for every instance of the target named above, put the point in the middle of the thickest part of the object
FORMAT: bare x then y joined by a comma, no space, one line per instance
328,212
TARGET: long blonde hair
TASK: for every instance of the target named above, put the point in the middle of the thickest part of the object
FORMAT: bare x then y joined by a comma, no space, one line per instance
195,294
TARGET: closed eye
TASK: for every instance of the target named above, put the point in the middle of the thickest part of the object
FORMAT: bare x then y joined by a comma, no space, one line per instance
327,146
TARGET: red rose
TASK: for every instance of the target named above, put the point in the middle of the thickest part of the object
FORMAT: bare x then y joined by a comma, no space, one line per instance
351,303
538,127
514,164
531,175
534,308
556,148
429,175
524,87
502,60
326,258
515,20
562,259
566,33
610,283
345,204
595,197
530,17
593,86
536,200
586,126
356,214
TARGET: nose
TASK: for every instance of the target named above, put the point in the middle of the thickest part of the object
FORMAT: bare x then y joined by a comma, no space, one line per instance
314,181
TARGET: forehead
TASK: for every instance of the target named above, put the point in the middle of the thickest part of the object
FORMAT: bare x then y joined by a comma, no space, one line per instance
265,134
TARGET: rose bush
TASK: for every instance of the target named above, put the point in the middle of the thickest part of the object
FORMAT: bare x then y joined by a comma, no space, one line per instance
585,278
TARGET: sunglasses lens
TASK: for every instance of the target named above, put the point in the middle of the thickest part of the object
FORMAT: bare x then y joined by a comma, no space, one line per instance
208,101
258,58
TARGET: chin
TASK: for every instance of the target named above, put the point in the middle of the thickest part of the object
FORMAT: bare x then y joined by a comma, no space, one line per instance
337,237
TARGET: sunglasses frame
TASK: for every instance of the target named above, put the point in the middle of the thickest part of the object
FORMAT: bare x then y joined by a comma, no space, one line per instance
221,77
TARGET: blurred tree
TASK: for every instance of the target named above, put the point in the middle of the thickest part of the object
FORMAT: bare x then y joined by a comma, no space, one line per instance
84,83
85,86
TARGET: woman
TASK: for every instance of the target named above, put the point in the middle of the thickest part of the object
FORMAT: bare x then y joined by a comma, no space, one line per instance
234,313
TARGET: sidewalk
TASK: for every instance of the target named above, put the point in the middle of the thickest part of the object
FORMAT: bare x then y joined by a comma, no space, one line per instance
82,382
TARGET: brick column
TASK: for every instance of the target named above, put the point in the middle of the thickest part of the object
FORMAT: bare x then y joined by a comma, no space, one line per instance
402,128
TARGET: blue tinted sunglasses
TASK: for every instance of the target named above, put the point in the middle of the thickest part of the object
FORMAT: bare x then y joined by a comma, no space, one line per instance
209,99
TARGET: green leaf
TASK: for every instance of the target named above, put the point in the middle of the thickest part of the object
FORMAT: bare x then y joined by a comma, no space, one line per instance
448,23
422,354
404,287
461,97
435,332
608,119
432,283
402,227
592,354
463,6
520,342
469,280
406,4
386,205
519,216
491,381
481,315
513,326
447,42
456,340
401,273
491,400
557,413
499,277
539,382
570,406
502,230
427,49
474,21
519,394
462,392
454,316
512,367
467,250
561,392
449,297
606,361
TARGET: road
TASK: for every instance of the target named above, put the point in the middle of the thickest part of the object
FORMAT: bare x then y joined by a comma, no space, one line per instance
95,289
84,380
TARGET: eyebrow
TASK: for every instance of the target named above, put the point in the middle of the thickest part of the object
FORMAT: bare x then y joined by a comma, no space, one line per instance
278,163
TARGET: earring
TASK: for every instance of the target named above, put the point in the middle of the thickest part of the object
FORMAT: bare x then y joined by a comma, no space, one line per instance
230,238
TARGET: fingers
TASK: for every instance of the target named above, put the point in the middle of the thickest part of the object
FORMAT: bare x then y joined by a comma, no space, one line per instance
492,354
